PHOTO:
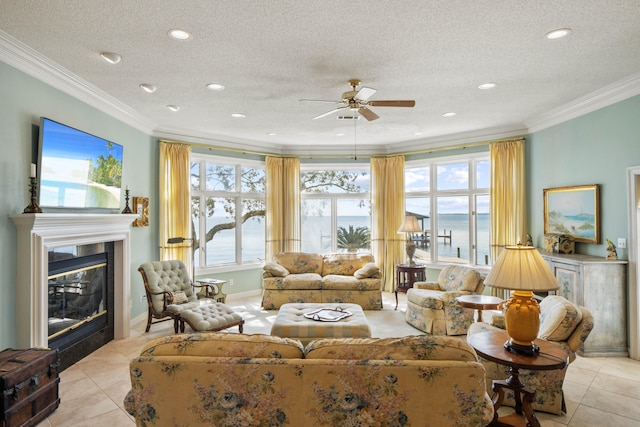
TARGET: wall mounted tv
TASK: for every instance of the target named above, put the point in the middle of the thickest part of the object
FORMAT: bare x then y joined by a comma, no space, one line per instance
77,169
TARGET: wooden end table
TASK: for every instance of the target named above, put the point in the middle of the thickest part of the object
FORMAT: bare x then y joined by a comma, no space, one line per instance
490,346
406,276
479,302
212,289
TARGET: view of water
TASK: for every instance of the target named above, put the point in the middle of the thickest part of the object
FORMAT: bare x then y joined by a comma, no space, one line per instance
317,238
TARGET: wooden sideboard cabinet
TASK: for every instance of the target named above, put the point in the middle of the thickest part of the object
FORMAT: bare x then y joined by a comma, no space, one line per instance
601,286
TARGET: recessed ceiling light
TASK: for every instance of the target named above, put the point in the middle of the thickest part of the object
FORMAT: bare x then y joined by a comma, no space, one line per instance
558,34
179,34
174,108
486,86
418,133
215,86
449,114
238,115
111,57
148,87
339,134
272,134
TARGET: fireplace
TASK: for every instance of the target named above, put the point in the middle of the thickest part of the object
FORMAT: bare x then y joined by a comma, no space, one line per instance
45,290
80,300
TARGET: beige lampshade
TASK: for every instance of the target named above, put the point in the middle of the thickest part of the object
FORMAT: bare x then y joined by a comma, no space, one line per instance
410,225
521,268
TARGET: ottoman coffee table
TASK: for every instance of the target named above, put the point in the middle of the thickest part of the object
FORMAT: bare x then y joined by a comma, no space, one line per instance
291,322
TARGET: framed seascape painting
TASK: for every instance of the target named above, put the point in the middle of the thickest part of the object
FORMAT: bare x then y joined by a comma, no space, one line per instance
574,211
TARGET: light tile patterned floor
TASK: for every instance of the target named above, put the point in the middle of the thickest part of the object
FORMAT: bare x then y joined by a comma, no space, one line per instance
599,391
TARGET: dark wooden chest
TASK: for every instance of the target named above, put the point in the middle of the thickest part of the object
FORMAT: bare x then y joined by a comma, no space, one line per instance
29,381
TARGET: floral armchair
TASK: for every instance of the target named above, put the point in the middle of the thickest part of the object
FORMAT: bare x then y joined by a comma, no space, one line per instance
561,321
432,306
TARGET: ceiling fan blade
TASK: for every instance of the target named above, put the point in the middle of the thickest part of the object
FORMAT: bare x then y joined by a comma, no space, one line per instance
320,100
364,93
368,114
330,112
405,103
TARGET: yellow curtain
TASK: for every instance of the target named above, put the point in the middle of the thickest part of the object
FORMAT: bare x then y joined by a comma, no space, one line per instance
508,201
175,203
387,200
282,214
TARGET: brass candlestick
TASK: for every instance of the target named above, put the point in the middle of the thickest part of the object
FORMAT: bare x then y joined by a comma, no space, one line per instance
127,209
33,206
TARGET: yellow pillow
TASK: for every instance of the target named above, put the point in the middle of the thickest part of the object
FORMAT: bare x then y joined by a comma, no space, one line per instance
368,270
276,269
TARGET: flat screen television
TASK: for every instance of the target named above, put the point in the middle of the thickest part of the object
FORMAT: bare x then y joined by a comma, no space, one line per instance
77,169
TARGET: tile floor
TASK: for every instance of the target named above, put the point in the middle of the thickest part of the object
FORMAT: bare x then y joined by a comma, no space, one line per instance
599,391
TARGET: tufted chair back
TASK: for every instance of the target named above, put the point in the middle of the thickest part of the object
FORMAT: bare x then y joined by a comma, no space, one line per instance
459,278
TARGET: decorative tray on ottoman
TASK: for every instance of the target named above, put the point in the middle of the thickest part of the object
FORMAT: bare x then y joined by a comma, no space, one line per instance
328,314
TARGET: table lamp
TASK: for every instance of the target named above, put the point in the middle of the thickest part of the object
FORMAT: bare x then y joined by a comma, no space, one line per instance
410,225
522,270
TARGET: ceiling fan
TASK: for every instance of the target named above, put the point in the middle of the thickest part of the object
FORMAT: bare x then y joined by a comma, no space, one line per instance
357,100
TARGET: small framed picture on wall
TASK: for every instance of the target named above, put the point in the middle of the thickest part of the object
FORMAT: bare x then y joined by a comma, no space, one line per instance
141,208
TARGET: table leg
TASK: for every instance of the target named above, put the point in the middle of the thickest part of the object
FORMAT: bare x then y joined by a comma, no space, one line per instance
396,298
479,315
523,399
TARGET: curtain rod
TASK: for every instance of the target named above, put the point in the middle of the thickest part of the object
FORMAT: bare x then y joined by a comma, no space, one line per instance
346,156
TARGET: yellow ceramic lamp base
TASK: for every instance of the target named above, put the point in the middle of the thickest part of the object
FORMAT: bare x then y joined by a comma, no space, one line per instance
522,318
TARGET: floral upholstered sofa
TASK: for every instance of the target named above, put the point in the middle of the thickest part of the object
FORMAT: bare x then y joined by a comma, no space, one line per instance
218,379
561,321
306,277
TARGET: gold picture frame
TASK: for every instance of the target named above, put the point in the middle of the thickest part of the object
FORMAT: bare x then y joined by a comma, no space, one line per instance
573,211
141,208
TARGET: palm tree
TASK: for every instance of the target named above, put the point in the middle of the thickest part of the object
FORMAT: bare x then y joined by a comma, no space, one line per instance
354,239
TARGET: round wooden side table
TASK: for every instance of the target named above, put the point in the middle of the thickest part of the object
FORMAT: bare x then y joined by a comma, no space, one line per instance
479,302
490,346
406,276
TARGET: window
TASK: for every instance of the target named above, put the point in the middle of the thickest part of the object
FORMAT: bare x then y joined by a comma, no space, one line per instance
336,209
450,197
228,209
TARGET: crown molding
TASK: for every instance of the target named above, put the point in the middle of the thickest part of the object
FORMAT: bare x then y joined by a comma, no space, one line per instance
608,95
28,60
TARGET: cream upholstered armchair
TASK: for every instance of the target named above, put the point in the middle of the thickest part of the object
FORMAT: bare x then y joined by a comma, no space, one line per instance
432,306
561,321
169,291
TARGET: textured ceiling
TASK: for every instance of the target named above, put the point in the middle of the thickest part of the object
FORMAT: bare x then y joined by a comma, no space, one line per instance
271,54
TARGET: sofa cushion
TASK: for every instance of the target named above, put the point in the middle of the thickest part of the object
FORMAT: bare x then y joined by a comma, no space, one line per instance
421,347
345,264
558,318
300,262
427,298
301,281
457,278
275,269
225,345
338,282
368,270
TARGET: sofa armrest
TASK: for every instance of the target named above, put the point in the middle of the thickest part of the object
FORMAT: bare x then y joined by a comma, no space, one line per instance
427,285
582,331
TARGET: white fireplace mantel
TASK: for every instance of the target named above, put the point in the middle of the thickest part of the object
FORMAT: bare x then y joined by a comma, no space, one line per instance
37,233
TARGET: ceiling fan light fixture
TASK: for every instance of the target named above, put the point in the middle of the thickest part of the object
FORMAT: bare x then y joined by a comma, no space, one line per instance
558,34
486,86
174,108
179,34
215,86
148,87
111,57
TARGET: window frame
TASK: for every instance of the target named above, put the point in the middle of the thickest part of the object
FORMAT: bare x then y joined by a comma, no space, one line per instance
238,195
335,197
471,193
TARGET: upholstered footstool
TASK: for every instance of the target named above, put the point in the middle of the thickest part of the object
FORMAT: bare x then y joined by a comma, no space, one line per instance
210,317
291,323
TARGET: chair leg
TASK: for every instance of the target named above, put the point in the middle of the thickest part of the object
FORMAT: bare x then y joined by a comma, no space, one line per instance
148,321
176,324
240,326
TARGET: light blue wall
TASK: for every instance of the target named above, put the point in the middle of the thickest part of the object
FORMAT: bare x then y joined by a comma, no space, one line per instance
24,100
596,148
